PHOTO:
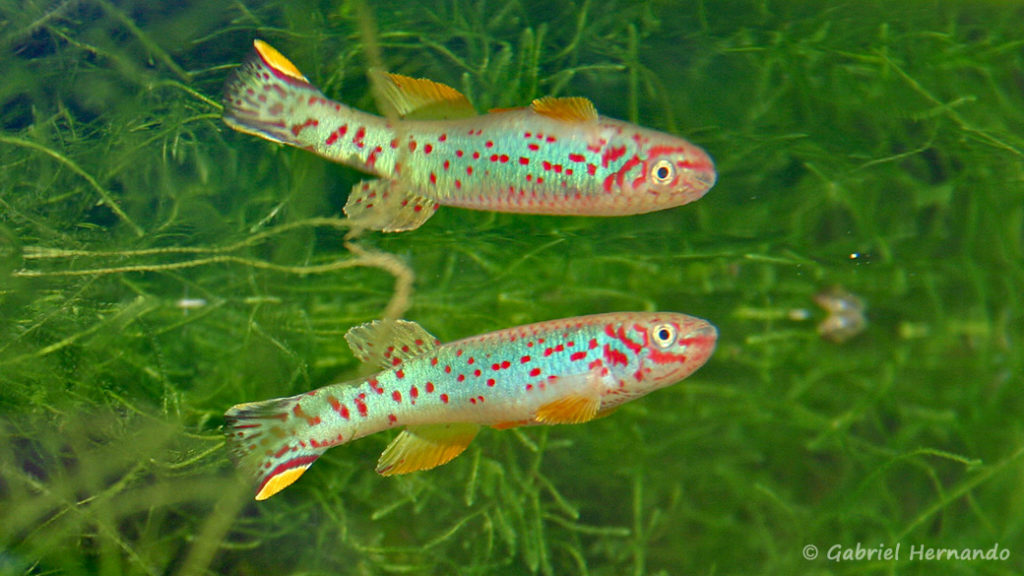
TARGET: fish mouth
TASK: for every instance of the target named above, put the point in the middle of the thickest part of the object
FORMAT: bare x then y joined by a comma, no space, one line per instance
704,339
705,178
693,185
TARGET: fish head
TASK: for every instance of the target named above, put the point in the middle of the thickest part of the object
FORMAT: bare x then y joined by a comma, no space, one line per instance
654,170
675,174
667,347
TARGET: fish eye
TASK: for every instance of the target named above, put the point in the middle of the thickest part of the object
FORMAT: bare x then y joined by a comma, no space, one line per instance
663,172
663,335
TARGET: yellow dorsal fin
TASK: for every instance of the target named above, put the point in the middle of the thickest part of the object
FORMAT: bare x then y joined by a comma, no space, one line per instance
419,98
276,60
573,109
571,409
388,344
424,447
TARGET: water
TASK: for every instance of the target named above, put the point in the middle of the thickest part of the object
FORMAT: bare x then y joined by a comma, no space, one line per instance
158,268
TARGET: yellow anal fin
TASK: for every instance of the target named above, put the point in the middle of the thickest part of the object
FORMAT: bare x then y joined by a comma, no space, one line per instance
425,447
277,61
419,98
573,109
384,205
571,409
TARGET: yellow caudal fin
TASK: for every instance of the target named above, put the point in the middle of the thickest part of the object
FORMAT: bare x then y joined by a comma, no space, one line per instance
425,447
387,206
261,444
267,96
277,61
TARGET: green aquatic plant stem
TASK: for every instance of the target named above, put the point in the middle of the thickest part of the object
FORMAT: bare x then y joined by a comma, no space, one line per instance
104,194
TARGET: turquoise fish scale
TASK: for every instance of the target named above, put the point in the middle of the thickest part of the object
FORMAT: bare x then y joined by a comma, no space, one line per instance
516,160
501,379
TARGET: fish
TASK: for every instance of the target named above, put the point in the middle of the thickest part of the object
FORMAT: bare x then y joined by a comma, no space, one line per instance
564,371
556,156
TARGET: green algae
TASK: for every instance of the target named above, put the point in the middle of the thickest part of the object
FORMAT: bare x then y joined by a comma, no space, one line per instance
156,268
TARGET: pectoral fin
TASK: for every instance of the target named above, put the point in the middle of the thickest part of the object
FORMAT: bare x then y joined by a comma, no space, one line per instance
425,447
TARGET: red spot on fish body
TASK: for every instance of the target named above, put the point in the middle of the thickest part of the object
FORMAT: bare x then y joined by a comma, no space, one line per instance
615,357
396,396
611,154
360,405
296,129
577,356
444,398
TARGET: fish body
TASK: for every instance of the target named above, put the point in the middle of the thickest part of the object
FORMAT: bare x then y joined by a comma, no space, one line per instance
557,156
560,371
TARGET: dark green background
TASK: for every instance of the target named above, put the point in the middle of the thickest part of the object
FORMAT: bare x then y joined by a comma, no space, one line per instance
891,131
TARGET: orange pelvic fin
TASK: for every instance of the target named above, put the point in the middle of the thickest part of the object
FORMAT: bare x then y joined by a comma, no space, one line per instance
571,409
